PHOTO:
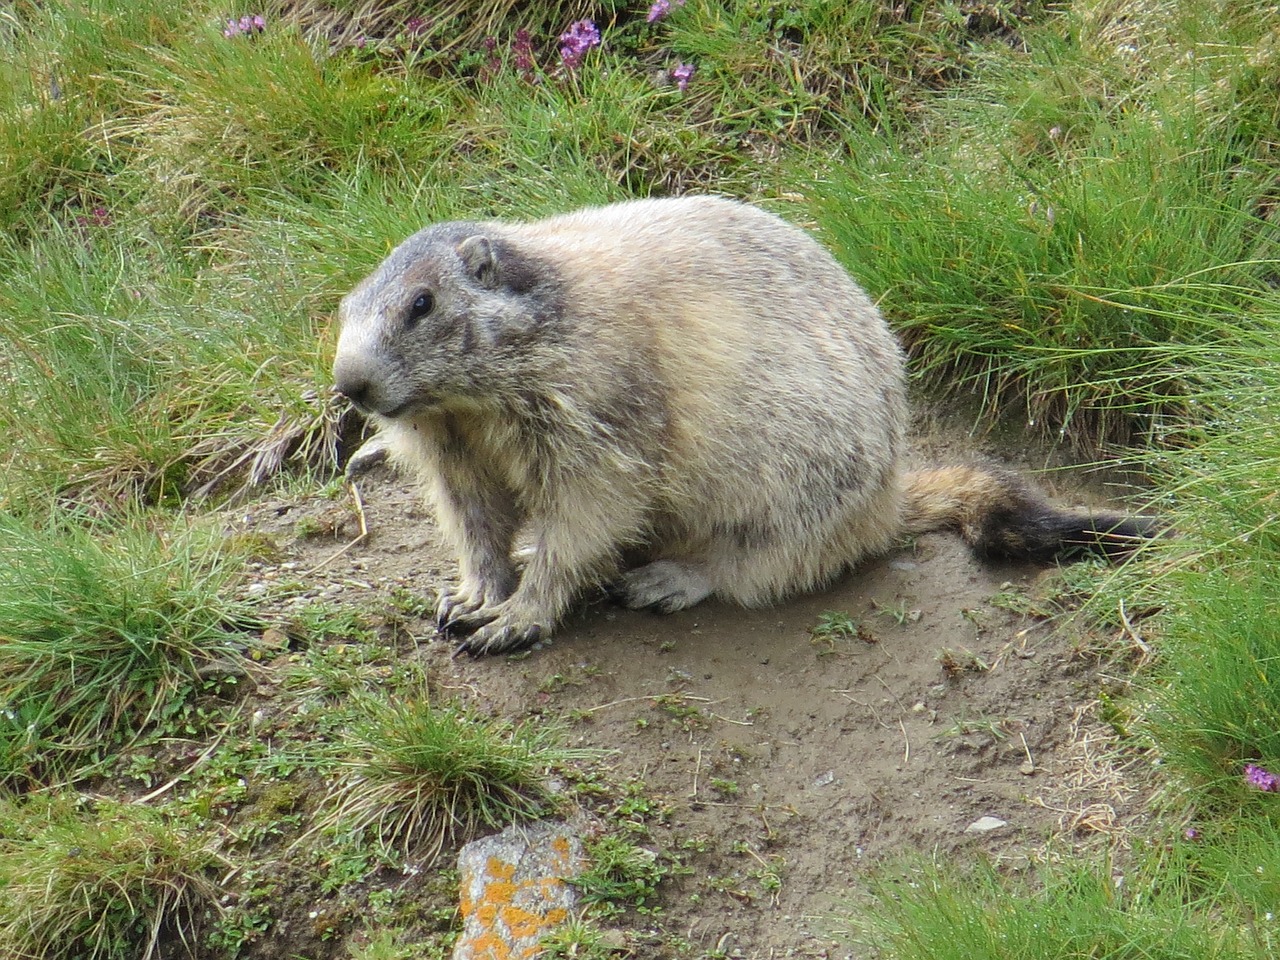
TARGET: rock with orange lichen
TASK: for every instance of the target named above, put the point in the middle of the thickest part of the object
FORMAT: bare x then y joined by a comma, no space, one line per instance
515,890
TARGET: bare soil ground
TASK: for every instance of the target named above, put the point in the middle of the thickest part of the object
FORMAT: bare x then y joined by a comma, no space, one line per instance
788,762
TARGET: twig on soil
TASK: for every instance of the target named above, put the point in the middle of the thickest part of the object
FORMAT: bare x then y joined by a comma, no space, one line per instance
652,697
1031,763
1133,635
364,531
185,773
740,723
697,769
901,706
906,752
866,706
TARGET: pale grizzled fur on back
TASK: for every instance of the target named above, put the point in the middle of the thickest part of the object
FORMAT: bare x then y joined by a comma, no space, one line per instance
680,397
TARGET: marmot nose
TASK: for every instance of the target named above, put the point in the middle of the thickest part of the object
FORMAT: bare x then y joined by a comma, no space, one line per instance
354,389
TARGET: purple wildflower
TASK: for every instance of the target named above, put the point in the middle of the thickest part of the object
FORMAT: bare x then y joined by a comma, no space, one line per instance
415,26
1261,778
576,41
522,55
99,216
681,75
245,25
661,9
492,62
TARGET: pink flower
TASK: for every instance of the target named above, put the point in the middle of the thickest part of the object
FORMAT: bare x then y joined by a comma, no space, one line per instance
522,55
576,41
661,9
99,216
1261,778
681,75
246,25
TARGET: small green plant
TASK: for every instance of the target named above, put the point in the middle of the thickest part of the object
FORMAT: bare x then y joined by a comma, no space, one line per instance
997,729
958,662
900,613
726,788
106,881
637,809
410,603
1020,602
769,876
578,937
247,920
834,625
620,875
677,706
419,774
333,671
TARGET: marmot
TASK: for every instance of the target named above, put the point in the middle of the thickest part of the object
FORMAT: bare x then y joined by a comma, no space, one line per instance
675,397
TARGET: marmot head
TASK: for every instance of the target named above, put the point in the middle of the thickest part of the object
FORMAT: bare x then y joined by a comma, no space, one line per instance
453,316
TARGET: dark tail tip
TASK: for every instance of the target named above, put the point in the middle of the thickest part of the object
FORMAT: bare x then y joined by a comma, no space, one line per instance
1048,535
1113,536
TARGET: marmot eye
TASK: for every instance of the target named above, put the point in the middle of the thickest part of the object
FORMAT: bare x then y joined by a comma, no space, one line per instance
422,305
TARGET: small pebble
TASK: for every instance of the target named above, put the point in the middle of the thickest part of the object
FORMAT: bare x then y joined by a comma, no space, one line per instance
985,825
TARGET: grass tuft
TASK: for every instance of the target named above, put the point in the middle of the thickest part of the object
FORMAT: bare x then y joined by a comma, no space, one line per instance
1078,910
107,881
103,629
422,774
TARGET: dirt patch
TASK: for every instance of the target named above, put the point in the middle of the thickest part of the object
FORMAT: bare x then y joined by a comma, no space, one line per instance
791,746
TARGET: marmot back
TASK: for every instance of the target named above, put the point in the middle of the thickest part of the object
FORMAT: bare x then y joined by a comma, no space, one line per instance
674,397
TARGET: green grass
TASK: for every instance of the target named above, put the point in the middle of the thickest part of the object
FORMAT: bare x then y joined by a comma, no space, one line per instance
419,774
1217,690
1077,910
1066,209
1056,224
135,378
103,881
1220,705
103,630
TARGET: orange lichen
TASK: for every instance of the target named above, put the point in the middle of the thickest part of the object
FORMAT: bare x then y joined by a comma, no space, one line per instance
522,923
500,892
561,846
490,946
499,869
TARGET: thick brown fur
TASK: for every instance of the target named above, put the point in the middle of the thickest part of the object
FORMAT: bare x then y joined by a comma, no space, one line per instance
679,397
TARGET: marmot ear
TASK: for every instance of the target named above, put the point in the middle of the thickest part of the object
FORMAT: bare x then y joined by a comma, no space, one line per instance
480,259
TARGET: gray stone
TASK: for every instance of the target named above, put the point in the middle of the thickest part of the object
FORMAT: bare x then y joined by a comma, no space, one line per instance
985,825
515,890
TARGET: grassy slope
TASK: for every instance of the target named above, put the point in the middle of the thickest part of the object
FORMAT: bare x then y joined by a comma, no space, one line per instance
1064,208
